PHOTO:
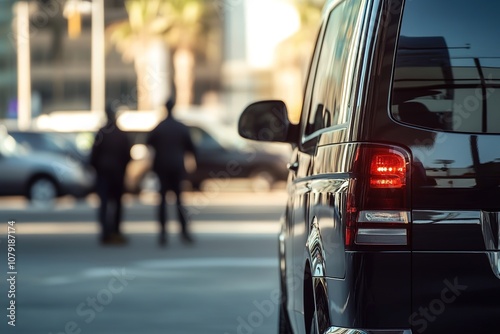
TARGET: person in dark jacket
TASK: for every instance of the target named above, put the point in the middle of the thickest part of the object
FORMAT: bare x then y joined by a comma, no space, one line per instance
171,141
109,157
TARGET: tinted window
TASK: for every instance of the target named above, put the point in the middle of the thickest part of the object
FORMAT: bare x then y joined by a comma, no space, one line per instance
447,71
42,141
334,61
202,140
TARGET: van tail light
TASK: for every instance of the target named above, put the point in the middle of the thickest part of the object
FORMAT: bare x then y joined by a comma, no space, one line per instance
387,170
378,200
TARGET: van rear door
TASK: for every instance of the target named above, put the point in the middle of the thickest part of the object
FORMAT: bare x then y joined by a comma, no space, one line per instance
446,94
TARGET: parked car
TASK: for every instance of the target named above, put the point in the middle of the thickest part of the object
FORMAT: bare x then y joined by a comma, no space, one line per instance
50,142
392,224
39,176
216,159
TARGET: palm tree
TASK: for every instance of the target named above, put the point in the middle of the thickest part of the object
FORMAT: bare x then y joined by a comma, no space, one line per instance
150,38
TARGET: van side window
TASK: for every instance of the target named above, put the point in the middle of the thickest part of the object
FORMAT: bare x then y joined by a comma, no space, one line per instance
332,68
447,69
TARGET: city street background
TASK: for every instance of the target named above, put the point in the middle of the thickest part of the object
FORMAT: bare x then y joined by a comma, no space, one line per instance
62,60
227,282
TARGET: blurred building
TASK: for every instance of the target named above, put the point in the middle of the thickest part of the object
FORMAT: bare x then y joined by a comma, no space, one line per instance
60,42
235,64
253,31
60,58
8,73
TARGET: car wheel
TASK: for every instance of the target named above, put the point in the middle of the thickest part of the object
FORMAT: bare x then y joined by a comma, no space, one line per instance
261,181
42,191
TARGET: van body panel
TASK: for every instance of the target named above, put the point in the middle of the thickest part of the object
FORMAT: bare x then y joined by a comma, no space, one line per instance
369,296
455,186
421,84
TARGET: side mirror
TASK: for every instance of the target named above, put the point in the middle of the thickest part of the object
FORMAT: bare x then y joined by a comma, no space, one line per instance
267,121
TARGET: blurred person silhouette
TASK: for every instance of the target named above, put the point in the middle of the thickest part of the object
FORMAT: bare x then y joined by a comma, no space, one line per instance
171,142
109,156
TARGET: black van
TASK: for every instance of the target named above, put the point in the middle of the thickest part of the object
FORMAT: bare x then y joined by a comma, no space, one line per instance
392,221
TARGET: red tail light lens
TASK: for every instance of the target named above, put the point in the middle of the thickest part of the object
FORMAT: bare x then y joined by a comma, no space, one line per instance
378,206
387,170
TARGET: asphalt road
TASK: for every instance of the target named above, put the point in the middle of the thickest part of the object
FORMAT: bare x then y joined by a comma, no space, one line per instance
227,282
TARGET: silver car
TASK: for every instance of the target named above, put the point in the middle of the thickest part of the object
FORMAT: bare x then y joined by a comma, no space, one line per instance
40,176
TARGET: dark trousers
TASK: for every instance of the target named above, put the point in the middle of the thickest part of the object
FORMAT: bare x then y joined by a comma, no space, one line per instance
171,181
110,190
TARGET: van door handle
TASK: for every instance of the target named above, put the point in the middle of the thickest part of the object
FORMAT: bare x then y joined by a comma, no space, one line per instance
293,167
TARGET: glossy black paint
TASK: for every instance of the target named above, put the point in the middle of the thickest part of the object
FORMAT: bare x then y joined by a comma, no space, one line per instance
267,121
371,295
447,279
455,201
457,293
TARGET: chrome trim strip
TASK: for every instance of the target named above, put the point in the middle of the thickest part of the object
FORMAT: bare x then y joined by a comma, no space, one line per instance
328,185
494,258
364,64
316,250
339,330
489,219
446,217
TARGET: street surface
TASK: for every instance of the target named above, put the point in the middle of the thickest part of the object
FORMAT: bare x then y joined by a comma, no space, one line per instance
65,282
